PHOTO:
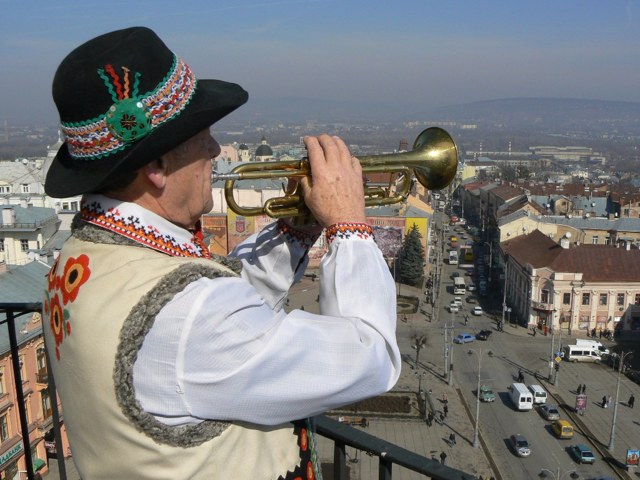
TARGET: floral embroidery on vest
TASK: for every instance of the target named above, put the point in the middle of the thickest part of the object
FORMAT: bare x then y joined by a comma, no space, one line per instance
75,273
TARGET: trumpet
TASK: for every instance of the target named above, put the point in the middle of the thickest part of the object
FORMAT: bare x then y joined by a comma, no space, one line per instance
433,161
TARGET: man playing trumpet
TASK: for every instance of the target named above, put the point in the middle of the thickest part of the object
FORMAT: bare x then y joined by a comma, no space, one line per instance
170,363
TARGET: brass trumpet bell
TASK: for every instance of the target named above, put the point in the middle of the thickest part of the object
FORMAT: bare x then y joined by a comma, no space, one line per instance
433,161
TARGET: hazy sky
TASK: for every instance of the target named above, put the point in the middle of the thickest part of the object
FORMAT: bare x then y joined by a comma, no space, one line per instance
407,52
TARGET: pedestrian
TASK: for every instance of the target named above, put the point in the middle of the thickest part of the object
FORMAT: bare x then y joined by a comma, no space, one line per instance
430,419
604,401
443,457
445,399
160,377
584,388
452,438
445,410
609,401
631,401
533,330
579,389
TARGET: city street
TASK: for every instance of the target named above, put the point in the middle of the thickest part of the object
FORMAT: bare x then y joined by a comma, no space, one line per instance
511,350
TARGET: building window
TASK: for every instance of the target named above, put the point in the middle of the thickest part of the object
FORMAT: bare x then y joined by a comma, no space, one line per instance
544,296
637,302
23,374
566,298
1,244
4,428
1,381
41,358
46,404
604,299
594,239
24,245
586,298
25,188
5,188
620,299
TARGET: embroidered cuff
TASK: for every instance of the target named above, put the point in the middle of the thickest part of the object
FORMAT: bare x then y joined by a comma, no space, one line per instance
348,230
302,238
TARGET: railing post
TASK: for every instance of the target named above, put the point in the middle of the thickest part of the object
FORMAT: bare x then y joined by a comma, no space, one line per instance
339,461
384,468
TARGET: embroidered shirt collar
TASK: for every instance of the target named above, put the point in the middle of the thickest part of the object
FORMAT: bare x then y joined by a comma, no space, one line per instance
142,226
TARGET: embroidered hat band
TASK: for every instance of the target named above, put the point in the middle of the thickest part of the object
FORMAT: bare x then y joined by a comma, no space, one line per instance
130,117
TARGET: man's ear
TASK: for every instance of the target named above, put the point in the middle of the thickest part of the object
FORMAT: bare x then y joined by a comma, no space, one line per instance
156,172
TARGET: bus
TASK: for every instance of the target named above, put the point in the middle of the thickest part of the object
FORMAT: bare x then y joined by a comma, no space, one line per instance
453,257
459,287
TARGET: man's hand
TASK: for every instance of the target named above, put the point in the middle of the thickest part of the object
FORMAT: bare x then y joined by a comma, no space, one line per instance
334,193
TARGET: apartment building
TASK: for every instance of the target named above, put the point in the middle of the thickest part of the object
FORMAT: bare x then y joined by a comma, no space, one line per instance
25,284
572,288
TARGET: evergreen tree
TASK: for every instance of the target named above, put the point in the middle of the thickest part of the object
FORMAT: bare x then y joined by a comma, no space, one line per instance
411,268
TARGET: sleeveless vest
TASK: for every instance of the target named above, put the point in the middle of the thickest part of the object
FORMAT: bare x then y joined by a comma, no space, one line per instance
101,301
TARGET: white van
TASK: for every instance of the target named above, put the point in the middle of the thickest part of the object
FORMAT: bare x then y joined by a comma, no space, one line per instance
521,397
576,353
539,394
593,344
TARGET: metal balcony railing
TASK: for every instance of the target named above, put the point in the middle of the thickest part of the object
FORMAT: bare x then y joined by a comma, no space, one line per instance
342,435
387,453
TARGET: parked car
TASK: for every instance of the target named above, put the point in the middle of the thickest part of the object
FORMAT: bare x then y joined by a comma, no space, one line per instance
520,445
483,335
464,338
455,274
472,300
550,411
471,287
582,453
477,310
486,394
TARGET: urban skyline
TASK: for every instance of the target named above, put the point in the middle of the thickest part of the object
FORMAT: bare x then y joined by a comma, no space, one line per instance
404,56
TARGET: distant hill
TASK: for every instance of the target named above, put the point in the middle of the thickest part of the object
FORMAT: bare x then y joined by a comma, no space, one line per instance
512,112
545,111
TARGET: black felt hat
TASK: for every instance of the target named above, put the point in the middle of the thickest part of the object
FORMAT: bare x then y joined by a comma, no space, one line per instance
124,100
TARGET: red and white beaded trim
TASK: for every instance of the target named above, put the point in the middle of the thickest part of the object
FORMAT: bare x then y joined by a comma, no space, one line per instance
348,230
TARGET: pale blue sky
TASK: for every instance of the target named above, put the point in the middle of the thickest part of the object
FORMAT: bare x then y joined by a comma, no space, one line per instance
406,52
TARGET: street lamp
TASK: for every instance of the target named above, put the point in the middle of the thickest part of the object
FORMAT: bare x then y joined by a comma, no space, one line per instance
476,432
419,375
544,473
615,406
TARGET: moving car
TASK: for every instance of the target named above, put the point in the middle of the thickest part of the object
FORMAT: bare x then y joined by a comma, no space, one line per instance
464,338
549,411
582,453
483,334
520,445
477,310
562,429
453,308
486,394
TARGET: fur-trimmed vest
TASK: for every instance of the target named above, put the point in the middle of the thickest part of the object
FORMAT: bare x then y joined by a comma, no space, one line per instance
101,301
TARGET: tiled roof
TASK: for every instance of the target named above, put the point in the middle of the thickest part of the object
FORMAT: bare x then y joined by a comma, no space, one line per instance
506,192
535,249
598,263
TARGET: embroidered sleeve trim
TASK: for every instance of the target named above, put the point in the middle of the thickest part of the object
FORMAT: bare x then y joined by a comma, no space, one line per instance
295,235
348,230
